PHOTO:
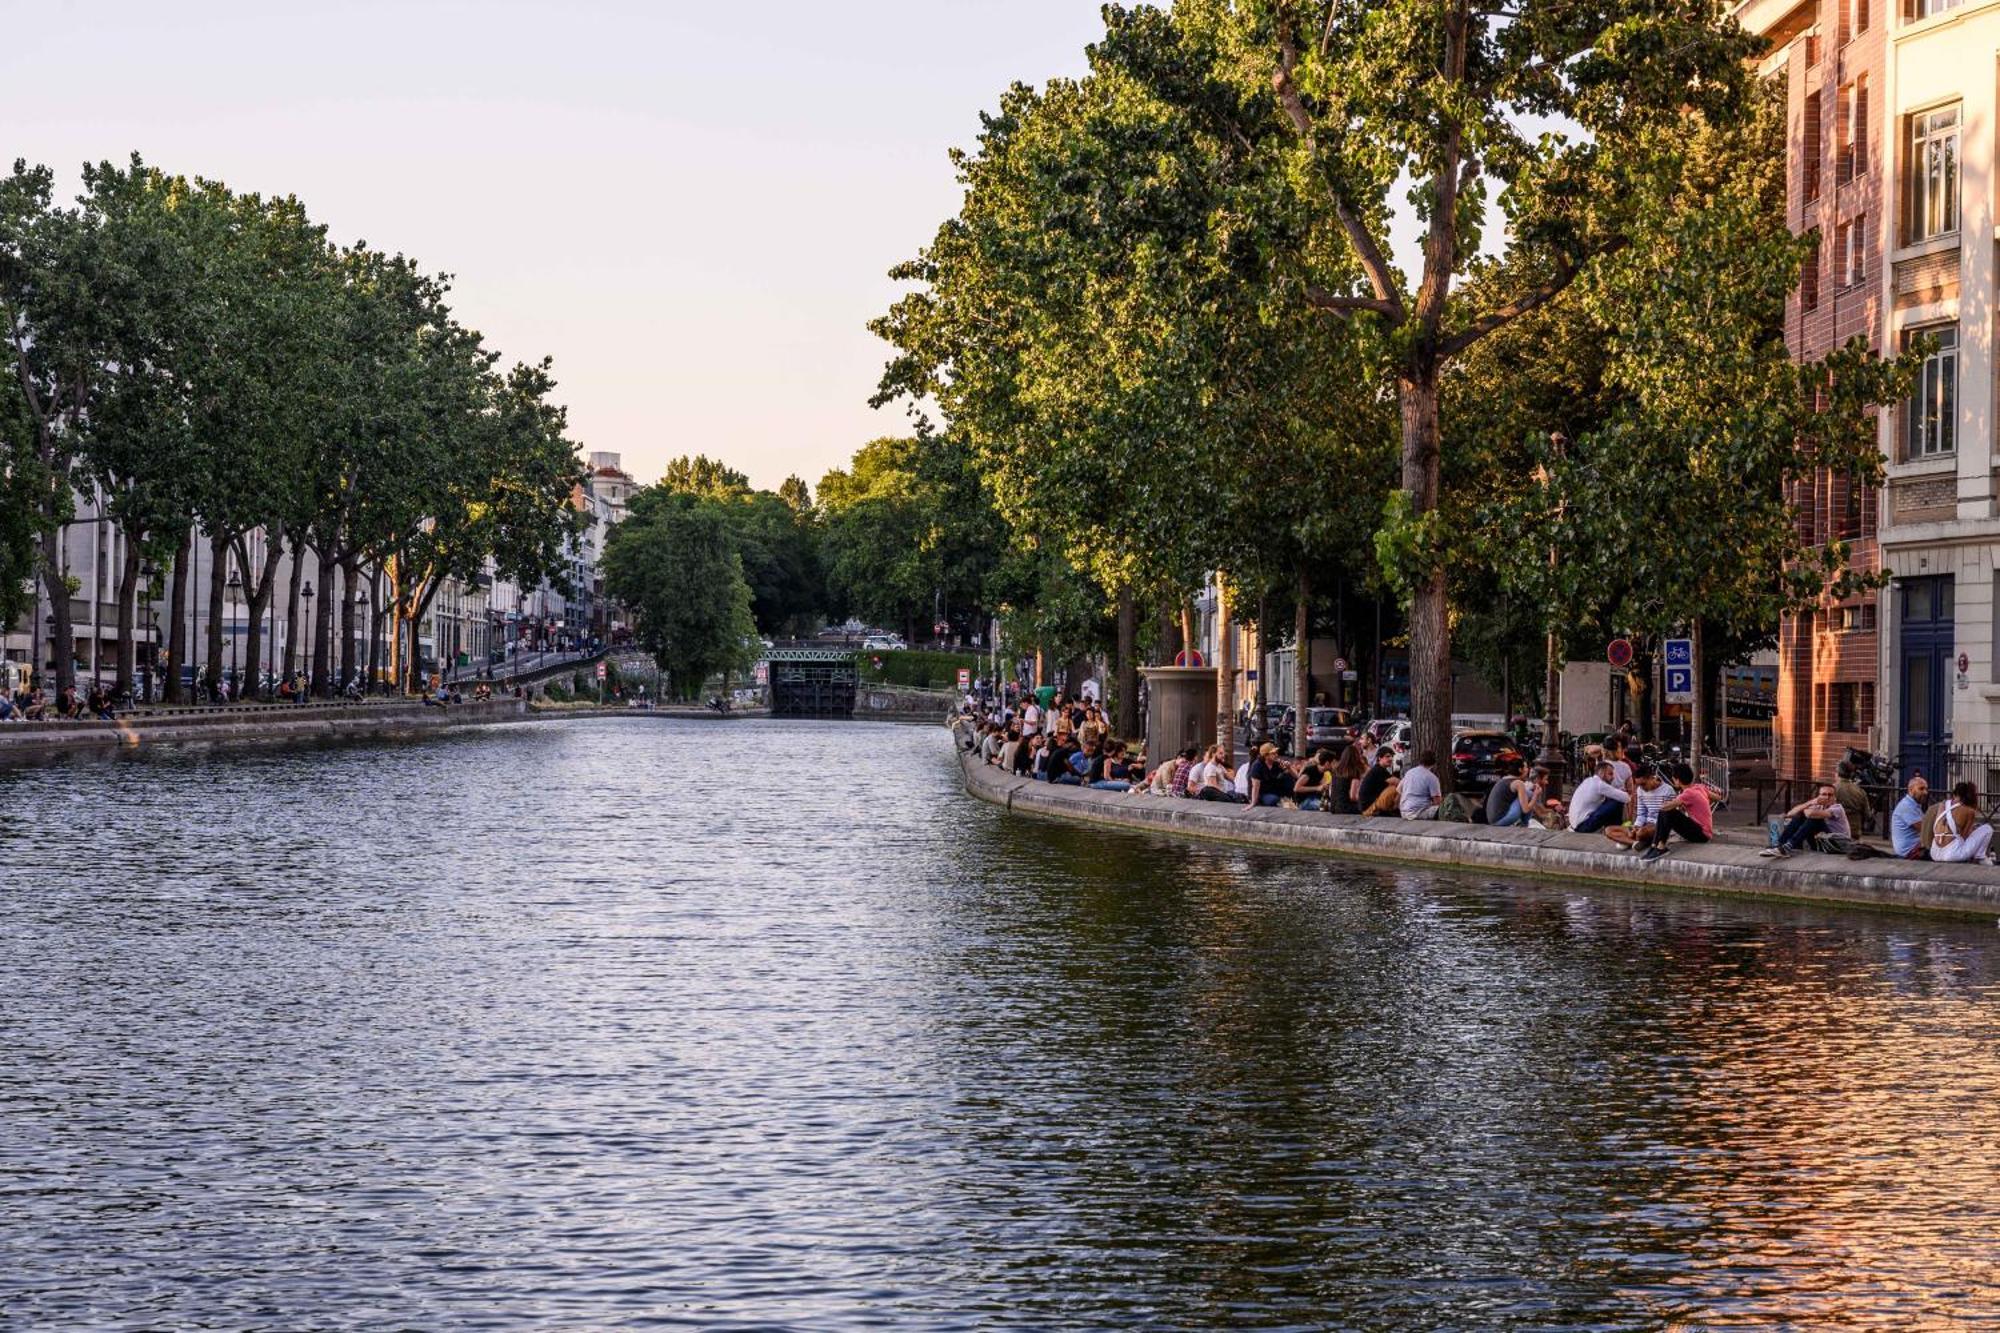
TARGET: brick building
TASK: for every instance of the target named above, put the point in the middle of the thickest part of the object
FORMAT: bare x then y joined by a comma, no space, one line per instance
1882,98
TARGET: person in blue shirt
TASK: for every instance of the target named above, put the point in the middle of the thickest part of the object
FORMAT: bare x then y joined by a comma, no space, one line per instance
1906,823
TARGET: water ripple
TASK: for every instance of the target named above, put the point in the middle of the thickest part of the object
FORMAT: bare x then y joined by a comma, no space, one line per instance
767,1025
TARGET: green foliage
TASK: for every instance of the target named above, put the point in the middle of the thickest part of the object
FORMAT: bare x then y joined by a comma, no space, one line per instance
1684,420
918,668
674,563
908,530
196,356
704,477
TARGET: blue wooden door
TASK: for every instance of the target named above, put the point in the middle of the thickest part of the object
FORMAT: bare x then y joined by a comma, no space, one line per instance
1925,644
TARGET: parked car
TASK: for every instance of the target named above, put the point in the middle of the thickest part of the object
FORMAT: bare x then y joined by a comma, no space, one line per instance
1273,725
1477,758
1331,728
1400,736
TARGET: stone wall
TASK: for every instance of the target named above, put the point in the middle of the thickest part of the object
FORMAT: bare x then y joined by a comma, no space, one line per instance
248,723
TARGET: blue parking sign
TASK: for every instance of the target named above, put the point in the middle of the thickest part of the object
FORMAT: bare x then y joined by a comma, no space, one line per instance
1680,685
1680,652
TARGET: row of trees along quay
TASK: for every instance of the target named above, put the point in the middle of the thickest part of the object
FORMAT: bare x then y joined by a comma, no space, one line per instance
1167,328
207,364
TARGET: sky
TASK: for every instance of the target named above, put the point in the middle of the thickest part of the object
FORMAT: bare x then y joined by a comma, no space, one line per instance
691,206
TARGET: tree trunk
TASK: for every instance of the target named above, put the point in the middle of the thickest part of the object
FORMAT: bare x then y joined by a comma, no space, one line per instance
1225,675
258,596
1302,660
322,676
1126,720
128,645
1430,610
218,564
292,608
62,634
177,635
350,570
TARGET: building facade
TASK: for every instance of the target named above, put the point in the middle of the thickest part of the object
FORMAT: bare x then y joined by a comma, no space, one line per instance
1892,137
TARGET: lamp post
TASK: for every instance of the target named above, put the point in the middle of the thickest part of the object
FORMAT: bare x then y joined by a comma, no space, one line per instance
146,576
305,648
361,670
232,594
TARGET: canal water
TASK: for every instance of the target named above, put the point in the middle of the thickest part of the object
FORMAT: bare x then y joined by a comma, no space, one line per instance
767,1024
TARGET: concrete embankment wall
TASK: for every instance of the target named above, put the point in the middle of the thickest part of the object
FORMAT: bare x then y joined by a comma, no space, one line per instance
247,724
889,703
1724,870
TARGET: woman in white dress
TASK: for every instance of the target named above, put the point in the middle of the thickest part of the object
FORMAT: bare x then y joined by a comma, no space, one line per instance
1960,834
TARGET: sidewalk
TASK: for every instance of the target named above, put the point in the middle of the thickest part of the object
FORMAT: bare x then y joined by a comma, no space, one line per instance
1727,867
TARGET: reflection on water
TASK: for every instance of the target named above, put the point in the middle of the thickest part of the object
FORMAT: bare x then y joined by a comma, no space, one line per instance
766,1023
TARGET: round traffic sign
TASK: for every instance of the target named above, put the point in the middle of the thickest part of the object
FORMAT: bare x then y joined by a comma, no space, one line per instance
1340,664
1619,652
1964,664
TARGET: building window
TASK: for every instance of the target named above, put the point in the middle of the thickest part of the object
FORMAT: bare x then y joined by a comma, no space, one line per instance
1923,9
1844,706
1933,411
1860,18
1852,158
1847,619
1851,249
1857,124
1809,275
1933,186
1809,146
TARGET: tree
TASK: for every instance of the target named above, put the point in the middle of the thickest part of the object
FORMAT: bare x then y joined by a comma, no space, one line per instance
703,476
1683,419
1116,320
1456,98
672,562
908,532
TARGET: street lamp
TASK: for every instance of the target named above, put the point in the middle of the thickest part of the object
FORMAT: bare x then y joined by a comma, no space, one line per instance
305,647
364,670
146,576
233,593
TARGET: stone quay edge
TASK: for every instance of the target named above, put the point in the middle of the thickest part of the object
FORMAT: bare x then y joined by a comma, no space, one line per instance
1719,869
247,724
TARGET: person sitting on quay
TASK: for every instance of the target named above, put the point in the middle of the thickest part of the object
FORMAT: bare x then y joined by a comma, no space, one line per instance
1010,745
1598,800
1379,791
1269,781
1315,780
1110,771
1959,833
1213,780
1343,795
100,703
1649,793
1821,815
1906,821
1421,793
1690,813
1506,802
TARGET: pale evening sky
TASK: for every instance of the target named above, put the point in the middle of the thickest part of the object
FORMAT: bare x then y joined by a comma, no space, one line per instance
692,207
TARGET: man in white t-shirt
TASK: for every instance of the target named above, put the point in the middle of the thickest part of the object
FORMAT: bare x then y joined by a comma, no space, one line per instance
1031,717
1421,793
1597,801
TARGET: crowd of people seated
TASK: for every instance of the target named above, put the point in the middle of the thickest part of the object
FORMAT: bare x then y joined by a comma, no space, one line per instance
68,705
1642,807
